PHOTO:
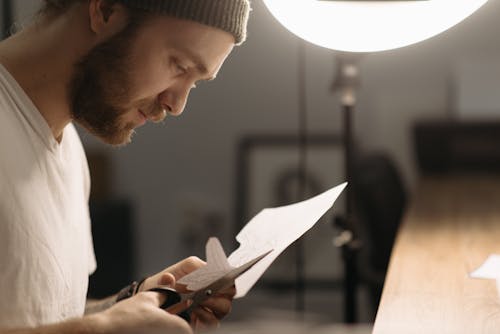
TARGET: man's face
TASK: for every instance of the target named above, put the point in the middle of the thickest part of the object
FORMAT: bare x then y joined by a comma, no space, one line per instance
144,73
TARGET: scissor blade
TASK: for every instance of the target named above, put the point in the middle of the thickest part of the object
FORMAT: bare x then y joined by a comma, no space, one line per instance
235,273
225,281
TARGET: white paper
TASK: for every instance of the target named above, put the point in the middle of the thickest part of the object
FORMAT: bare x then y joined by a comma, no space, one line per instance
217,266
277,228
272,228
490,269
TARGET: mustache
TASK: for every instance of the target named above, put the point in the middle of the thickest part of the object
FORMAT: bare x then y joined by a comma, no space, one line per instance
154,111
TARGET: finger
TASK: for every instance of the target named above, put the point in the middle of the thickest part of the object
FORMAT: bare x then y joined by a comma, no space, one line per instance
194,322
198,326
160,279
228,292
167,279
185,266
219,306
205,318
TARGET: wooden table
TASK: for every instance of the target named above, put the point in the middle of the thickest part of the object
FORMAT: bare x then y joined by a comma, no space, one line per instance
451,227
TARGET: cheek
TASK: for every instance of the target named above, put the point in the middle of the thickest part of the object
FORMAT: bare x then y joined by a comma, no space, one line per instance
150,79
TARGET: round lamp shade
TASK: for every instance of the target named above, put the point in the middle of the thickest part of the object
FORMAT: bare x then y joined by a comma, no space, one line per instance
367,26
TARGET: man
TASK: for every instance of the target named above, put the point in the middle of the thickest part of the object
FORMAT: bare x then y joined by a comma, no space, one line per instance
111,66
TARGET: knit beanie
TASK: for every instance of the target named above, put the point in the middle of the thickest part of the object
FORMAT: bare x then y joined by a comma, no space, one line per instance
228,15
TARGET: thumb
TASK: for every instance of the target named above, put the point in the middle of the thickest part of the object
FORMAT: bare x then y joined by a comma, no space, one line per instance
156,297
165,297
166,279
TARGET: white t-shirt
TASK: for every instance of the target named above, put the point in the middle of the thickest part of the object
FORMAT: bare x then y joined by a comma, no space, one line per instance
46,251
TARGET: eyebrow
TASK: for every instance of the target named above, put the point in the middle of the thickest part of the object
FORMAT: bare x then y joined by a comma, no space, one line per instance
198,61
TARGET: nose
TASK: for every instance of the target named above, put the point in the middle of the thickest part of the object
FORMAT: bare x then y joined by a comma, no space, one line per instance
174,99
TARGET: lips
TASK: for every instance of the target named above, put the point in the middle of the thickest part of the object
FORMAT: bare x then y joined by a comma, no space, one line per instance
142,117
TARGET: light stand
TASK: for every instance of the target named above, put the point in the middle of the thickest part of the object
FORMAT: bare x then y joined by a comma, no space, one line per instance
346,82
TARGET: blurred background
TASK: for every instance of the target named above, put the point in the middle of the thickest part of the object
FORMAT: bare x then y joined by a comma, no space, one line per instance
429,107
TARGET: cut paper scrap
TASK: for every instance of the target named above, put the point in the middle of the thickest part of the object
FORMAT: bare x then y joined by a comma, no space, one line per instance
271,229
490,269
277,228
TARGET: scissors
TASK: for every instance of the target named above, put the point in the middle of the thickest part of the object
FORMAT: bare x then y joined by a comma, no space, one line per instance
226,281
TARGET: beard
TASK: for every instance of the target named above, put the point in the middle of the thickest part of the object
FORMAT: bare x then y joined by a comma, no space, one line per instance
100,90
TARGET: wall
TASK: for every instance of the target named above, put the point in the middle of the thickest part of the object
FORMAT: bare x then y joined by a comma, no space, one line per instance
186,165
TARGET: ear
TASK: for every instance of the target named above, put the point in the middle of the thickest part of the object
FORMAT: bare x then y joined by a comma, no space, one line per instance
106,19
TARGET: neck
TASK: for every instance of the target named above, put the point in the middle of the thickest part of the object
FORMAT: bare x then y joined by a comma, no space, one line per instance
41,58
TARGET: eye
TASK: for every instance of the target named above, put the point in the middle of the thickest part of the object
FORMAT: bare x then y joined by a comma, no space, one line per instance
177,67
180,69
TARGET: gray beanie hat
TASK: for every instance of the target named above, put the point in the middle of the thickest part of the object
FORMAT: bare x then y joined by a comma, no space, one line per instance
228,15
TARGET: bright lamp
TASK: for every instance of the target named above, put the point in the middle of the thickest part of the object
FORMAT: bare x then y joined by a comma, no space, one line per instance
366,26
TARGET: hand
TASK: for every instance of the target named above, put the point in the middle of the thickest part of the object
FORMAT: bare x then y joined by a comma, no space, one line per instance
142,314
211,311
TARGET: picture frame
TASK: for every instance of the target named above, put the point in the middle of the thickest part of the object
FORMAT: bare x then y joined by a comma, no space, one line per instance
268,175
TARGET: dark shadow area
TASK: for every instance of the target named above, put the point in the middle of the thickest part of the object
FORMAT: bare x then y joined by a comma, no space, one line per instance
113,245
112,231
7,18
380,200
444,147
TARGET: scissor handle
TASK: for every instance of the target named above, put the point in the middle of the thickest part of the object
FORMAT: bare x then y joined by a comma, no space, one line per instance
173,297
